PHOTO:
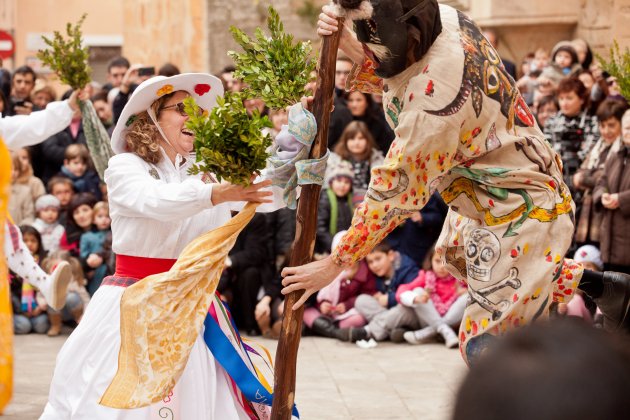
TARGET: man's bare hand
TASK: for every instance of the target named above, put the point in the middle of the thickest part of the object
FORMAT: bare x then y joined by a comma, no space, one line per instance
309,277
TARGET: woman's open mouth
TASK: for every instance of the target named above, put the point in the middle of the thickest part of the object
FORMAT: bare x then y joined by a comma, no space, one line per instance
187,132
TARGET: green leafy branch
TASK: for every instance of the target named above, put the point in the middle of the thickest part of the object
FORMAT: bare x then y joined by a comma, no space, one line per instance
68,58
274,68
618,67
228,142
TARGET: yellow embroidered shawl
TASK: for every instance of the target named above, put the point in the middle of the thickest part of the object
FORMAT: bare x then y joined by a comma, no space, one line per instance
6,319
161,317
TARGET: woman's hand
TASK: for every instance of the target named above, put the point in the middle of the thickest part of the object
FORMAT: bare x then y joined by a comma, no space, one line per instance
130,77
328,24
610,201
76,96
222,193
309,277
341,308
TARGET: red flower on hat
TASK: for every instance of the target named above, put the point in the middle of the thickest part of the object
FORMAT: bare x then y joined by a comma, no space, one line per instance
202,88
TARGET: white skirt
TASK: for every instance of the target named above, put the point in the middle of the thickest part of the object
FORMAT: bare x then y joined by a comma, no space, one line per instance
88,362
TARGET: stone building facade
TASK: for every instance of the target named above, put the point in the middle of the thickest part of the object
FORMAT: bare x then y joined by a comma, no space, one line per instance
522,26
194,35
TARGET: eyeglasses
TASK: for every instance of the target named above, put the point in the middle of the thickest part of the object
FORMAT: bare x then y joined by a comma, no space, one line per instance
181,109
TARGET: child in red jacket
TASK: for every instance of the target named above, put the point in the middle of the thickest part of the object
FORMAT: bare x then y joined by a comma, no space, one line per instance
335,302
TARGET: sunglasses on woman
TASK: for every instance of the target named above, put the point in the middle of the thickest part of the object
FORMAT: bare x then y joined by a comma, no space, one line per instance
181,108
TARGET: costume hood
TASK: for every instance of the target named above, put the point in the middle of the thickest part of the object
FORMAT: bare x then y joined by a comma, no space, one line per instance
406,28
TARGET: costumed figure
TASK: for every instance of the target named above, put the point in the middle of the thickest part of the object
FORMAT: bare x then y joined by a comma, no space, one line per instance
463,129
156,340
17,132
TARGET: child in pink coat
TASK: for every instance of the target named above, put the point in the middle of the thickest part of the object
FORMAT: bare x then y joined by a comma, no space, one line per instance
438,300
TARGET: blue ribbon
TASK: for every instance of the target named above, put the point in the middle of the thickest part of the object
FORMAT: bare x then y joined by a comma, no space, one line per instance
231,361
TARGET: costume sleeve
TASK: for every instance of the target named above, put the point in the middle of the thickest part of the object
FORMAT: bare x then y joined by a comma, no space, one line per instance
133,192
421,154
364,79
26,130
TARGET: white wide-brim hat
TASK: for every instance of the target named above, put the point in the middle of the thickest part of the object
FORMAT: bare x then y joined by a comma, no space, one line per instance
204,88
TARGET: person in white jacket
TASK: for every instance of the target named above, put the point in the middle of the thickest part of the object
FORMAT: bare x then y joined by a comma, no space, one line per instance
157,208
26,130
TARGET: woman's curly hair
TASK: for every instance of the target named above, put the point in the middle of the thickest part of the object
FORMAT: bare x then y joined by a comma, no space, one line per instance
142,137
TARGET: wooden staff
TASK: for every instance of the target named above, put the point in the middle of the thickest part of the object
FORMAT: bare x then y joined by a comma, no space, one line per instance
304,242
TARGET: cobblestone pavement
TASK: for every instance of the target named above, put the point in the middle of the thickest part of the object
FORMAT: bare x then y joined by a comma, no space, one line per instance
335,380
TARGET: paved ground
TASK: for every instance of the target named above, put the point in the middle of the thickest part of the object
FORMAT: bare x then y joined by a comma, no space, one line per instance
335,380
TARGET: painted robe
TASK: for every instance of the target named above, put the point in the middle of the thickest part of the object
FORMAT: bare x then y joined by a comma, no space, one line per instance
462,128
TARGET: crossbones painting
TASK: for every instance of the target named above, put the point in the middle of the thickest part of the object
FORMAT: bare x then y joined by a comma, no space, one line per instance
483,251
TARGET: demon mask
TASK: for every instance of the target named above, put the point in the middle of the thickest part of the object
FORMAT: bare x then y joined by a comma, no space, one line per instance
394,33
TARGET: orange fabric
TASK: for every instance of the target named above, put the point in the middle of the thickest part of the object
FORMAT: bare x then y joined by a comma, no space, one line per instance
6,318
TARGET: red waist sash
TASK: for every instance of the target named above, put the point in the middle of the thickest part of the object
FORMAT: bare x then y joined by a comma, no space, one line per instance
141,267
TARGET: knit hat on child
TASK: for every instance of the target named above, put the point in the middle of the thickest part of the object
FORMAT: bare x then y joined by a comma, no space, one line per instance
342,169
589,253
46,201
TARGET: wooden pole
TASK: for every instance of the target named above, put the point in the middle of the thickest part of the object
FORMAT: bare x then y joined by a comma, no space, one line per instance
304,242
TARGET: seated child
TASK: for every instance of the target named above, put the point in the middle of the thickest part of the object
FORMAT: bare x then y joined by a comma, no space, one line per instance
47,222
91,247
380,309
62,188
270,307
76,167
77,297
26,177
438,300
335,302
30,313
335,206
21,205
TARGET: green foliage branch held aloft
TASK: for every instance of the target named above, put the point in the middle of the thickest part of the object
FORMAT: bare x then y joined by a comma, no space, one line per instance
68,58
228,142
275,68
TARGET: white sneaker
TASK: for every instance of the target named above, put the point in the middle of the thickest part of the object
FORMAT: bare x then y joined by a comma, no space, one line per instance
450,338
419,336
55,287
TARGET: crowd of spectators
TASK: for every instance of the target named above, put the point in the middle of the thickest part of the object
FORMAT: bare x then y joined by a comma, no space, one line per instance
399,292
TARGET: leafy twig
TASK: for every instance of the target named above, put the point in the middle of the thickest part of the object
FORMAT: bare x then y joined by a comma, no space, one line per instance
68,58
274,68
229,143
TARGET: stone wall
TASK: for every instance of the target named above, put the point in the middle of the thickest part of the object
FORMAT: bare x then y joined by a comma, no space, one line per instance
248,15
525,26
195,33
160,31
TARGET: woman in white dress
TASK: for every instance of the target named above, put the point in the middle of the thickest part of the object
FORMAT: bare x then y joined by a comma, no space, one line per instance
157,209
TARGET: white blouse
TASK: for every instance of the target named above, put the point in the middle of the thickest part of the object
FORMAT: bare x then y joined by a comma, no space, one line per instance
158,209
26,130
